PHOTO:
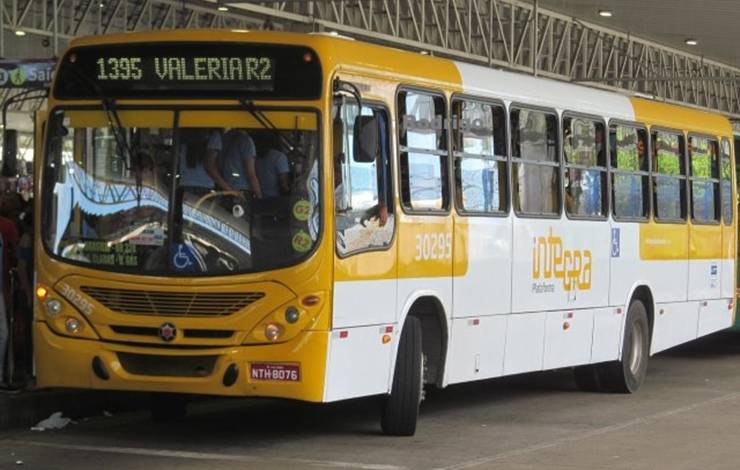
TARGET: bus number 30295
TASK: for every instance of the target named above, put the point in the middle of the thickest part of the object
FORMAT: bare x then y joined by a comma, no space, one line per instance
431,246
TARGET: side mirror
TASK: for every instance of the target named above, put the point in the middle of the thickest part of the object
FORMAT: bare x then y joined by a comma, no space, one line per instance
10,152
366,139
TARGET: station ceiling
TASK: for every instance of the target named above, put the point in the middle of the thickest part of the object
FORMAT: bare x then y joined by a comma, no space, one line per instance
715,24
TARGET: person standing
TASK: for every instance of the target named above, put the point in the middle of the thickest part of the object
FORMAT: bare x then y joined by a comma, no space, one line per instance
272,166
235,170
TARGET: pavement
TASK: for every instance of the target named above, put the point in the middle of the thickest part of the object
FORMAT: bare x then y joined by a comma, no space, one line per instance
686,416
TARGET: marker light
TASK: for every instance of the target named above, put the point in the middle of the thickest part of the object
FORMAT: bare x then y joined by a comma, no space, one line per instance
311,300
72,325
42,292
605,13
273,331
53,307
307,57
223,8
292,314
19,32
691,42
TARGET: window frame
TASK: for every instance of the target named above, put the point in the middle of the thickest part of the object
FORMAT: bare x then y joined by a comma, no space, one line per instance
730,156
648,172
718,181
516,105
564,165
506,158
446,179
653,174
379,104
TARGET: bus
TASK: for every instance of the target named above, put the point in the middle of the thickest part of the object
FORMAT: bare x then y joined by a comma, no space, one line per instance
434,222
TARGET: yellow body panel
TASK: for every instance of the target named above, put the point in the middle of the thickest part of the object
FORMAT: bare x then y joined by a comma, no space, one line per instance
66,361
690,241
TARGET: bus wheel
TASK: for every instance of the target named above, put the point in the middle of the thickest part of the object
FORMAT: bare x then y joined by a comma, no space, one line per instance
166,407
626,375
401,407
587,378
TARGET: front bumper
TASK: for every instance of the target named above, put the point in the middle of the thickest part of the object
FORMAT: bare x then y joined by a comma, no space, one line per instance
68,362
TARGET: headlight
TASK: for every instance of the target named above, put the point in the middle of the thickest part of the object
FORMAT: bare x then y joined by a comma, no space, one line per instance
72,325
292,314
53,307
273,331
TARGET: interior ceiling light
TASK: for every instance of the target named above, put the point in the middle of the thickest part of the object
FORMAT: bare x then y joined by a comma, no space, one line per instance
691,42
605,13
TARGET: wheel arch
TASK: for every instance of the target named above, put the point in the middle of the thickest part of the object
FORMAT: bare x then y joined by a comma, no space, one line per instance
642,291
430,310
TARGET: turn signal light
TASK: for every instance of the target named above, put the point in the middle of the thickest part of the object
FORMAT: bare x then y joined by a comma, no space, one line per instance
42,292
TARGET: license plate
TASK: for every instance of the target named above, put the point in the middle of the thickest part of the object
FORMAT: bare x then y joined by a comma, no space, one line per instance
278,372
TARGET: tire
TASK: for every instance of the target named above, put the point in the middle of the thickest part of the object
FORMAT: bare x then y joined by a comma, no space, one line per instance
628,374
587,378
167,408
401,407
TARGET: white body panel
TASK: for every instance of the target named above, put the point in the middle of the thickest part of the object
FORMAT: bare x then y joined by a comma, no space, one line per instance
476,348
525,343
358,363
489,267
360,303
509,313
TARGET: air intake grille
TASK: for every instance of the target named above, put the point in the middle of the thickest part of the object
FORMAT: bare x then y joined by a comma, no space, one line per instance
167,366
175,304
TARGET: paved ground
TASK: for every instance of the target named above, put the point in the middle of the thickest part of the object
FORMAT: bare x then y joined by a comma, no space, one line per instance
686,416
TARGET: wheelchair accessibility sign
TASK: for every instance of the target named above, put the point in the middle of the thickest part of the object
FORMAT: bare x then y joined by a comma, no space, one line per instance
183,257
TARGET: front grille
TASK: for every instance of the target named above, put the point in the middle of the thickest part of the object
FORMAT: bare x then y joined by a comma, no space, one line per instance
167,366
173,304
187,333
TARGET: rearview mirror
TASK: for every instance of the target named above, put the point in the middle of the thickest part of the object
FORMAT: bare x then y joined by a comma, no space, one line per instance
366,139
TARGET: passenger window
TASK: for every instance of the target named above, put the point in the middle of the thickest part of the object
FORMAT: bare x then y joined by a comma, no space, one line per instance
629,172
726,178
669,175
479,150
423,151
584,149
704,178
362,181
536,171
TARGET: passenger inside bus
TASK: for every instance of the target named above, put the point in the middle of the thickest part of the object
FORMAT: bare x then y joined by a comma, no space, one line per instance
231,164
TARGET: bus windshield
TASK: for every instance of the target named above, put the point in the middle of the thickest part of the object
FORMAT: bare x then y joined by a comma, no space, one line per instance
192,193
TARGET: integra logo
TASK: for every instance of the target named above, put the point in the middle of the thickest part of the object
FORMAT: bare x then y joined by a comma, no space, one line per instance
551,260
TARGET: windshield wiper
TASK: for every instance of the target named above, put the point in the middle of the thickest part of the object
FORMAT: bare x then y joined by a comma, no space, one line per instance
265,122
114,122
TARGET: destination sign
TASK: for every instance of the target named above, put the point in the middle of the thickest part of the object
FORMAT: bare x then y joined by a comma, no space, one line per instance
189,70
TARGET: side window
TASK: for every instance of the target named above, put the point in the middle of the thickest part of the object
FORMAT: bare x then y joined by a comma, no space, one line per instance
704,178
584,151
669,175
423,151
726,181
536,171
629,172
362,181
479,150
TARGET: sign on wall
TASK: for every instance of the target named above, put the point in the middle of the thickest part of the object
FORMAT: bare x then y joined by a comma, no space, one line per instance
26,73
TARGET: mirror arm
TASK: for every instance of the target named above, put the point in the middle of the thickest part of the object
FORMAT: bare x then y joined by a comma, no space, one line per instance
27,95
341,86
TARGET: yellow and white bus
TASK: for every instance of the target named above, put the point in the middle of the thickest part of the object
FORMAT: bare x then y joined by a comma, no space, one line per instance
315,218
